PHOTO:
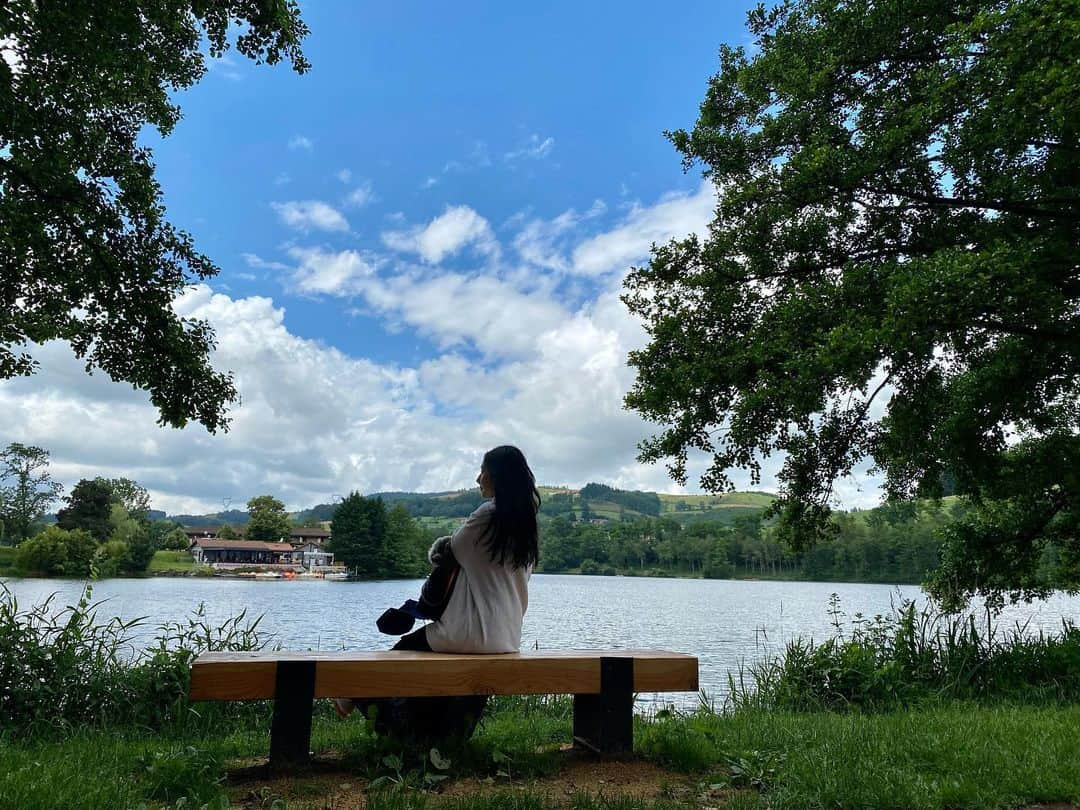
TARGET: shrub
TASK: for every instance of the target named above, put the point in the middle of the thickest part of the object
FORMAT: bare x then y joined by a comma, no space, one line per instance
176,540
57,552
912,656
63,668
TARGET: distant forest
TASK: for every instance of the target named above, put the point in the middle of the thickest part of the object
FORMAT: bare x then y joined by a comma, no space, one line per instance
602,530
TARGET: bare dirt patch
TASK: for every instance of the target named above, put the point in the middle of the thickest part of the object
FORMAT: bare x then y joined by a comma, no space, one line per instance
328,786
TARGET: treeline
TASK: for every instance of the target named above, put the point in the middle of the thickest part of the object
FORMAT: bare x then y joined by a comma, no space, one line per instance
377,542
104,530
888,544
454,505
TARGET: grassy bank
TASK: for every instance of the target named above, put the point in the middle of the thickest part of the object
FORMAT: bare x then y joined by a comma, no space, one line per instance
950,756
178,561
909,711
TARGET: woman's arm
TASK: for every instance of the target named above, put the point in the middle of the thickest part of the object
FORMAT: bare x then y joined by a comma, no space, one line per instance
440,552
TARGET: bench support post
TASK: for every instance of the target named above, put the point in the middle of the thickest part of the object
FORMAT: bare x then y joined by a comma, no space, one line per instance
604,723
290,730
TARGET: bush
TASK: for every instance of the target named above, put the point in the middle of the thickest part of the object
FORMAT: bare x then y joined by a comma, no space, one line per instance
62,668
912,656
140,551
590,567
176,540
57,552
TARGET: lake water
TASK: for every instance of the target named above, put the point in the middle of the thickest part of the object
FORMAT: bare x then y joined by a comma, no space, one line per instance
725,623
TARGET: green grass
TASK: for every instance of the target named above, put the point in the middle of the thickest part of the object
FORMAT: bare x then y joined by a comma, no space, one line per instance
953,756
729,500
172,561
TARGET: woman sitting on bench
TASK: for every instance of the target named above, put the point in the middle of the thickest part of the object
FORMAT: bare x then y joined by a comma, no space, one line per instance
482,572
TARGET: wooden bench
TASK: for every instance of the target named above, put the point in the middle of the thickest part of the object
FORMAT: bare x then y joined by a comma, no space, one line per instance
603,683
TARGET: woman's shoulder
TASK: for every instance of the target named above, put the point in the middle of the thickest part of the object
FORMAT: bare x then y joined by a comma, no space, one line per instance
484,508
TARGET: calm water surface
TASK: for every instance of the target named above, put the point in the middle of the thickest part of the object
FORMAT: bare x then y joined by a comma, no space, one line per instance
725,623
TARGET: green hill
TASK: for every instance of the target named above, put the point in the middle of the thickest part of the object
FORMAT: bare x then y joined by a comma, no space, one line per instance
592,502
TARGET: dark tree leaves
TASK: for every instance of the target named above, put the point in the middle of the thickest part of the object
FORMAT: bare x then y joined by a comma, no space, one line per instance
86,254
891,273
88,508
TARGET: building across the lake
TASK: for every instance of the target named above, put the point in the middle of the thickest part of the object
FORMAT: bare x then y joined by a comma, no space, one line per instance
303,551
209,550
299,535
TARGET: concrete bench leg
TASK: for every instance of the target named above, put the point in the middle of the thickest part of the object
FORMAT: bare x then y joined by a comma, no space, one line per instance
604,723
290,730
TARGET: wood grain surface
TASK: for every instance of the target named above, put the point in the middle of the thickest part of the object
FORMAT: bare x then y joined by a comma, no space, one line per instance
250,676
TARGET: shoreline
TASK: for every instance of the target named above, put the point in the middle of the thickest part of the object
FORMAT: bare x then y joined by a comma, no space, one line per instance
190,574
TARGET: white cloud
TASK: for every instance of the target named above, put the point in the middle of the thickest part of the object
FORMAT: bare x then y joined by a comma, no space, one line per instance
283,179
259,263
301,142
429,182
321,273
306,215
225,66
9,52
445,235
543,243
534,148
361,195
674,216
344,175
515,364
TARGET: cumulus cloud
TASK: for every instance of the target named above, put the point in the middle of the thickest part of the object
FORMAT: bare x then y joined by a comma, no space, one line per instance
515,364
674,216
306,215
319,272
301,142
459,226
543,243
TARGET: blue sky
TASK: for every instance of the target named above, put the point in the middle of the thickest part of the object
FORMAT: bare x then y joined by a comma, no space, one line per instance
422,245
535,110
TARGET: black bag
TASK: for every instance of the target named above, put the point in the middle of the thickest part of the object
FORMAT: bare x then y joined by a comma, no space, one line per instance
434,597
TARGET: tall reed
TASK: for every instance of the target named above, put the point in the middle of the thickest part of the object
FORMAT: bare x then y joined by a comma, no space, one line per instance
62,668
913,655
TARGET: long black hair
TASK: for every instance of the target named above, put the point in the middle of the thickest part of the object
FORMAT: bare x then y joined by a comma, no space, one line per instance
512,534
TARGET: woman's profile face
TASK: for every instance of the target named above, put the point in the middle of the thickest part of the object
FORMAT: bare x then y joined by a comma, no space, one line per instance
483,480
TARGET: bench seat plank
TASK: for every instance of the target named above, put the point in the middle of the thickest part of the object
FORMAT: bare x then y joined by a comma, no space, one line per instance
251,676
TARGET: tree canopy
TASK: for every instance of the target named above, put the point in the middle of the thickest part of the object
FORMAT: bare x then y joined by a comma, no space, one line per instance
26,489
359,534
89,507
267,519
131,495
891,274
86,253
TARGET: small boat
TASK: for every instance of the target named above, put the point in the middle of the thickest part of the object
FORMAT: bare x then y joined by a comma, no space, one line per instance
268,575
336,576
